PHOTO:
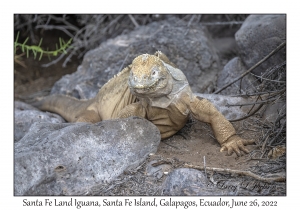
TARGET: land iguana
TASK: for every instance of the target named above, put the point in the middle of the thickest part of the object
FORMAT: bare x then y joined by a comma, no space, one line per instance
152,87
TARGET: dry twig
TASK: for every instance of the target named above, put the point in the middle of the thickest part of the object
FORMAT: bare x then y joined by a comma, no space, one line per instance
253,67
238,172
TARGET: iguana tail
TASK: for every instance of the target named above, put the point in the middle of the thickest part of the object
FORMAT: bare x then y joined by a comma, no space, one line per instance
68,107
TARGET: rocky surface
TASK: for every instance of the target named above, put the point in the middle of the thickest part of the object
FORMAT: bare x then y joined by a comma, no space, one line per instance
26,115
258,36
69,159
232,70
186,181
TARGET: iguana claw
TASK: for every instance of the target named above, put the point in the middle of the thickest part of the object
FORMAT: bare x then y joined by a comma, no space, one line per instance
236,144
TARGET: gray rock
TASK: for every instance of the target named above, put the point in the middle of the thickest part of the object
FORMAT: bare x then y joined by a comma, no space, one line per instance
191,50
25,115
226,48
186,181
273,111
69,159
258,36
232,70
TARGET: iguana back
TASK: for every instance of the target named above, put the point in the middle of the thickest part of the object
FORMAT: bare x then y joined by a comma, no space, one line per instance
111,98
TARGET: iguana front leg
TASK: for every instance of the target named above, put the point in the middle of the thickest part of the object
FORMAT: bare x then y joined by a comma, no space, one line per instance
204,111
135,109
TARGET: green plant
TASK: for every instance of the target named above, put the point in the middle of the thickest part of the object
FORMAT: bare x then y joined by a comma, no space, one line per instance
64,46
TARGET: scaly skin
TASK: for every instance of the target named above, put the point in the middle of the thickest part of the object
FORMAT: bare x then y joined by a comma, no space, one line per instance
153,88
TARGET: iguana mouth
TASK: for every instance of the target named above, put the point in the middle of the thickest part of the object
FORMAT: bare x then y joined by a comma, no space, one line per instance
147,87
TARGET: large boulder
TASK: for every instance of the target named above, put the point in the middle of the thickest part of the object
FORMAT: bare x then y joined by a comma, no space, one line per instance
25,115
233,69
258,36
70,159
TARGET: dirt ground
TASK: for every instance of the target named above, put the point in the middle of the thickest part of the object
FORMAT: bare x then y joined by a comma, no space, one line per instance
199,145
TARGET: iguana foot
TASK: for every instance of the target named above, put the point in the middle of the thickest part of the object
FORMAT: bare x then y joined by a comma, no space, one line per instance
236,144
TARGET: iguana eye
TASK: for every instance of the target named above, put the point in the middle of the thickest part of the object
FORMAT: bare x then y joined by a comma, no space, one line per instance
154,72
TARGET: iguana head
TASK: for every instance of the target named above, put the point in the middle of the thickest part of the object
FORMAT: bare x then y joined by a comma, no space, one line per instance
149,76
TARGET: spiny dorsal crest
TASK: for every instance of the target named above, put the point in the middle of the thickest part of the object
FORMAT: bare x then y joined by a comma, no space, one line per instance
143,64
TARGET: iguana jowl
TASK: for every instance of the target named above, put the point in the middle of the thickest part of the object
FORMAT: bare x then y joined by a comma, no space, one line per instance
153,88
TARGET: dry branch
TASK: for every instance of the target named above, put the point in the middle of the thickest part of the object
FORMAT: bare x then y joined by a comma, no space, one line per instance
223,23
253,67
133,21
238,172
